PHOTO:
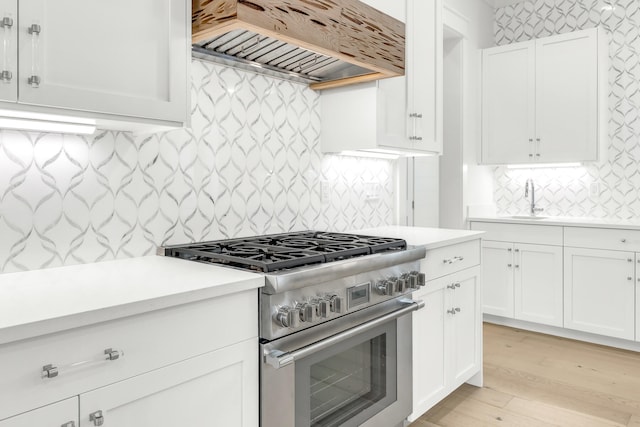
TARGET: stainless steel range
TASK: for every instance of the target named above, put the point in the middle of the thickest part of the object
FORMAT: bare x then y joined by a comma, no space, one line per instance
335,330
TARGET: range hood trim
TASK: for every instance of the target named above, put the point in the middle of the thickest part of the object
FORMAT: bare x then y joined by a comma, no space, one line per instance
219,17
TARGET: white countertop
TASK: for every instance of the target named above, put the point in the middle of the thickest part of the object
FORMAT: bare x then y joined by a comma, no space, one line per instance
430,238
565,221
44,301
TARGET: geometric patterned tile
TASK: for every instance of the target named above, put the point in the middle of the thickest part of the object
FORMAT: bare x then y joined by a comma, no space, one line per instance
249,164
566,191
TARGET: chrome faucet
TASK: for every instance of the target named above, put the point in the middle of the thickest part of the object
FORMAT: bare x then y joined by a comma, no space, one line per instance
528,185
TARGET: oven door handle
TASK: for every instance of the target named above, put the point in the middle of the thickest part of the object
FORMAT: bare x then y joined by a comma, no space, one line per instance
279,359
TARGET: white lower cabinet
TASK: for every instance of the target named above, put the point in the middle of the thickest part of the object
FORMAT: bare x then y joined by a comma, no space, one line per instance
579,278
599,292
497,262
463,327
538,284
447,337
179,366
215,389
429,379
60,414
523,281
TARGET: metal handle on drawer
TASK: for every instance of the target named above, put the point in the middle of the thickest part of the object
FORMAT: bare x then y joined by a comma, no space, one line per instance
279,359
52,371
623,240
453,260
69,424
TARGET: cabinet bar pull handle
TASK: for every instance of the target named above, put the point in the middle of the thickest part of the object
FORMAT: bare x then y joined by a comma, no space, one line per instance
415,115
6,23
34,79
415,138
52,371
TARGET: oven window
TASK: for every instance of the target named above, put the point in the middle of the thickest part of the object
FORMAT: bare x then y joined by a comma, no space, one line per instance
348,383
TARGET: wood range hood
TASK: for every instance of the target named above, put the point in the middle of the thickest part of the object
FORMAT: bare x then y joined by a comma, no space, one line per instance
326,43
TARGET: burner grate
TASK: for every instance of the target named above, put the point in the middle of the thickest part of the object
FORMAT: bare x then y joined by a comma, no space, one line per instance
277,252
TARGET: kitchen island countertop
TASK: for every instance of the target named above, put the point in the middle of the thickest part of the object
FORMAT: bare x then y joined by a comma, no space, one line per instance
45,301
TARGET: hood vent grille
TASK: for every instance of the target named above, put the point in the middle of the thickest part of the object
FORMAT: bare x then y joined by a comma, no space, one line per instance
326,43
247,50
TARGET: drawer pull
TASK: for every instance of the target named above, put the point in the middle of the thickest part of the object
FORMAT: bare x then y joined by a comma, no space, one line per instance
453,286
623,240
51,371
453,260
629,260
629,278
453,311
97,418
69,424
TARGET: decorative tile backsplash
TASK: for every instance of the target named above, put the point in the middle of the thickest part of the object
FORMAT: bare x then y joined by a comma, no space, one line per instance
566,191
249,164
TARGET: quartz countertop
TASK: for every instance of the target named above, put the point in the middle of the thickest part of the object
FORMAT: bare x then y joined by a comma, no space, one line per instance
429,238
40,302
564,221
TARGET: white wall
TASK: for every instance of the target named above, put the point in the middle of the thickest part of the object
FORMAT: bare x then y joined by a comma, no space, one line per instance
475,21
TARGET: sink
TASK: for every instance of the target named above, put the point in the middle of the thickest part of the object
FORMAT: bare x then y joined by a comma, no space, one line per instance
526,217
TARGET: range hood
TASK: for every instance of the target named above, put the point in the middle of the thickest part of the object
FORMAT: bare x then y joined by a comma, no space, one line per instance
326,43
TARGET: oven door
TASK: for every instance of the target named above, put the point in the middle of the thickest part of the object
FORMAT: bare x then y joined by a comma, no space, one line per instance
360,376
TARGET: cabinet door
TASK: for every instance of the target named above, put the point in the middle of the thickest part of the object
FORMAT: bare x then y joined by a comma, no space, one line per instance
567,97
424,74
429,379
215,389
8,50
464,326
60,414
393,120
538,284
120,57
599,292
497,288
508,103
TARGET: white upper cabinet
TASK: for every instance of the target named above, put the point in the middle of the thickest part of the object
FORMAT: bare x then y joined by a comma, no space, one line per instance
541,100
567,97
508,103
117,60
401,114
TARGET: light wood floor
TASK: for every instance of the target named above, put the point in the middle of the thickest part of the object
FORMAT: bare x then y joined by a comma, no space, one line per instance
532,379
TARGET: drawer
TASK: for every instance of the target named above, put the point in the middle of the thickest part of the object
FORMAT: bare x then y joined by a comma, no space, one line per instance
520,233
449,259
148,341
602,238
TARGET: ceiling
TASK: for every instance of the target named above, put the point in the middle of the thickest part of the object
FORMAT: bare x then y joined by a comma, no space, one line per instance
502,3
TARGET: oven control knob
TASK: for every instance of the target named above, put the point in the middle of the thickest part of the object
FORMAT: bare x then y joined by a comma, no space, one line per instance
385,287
307,312
418,278
322,308
403,285
288,317
336,304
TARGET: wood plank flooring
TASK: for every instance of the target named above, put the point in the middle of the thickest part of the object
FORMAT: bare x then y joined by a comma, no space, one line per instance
532,379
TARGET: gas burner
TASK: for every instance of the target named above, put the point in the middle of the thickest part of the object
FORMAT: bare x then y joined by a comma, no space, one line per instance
285,251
